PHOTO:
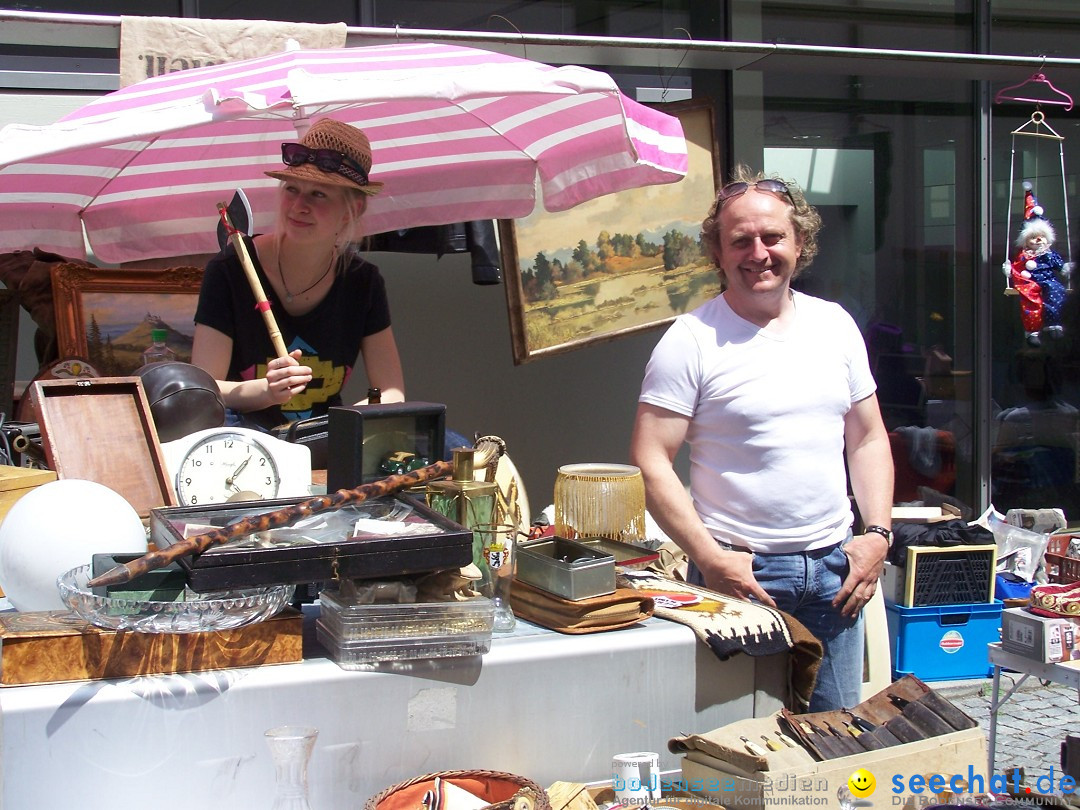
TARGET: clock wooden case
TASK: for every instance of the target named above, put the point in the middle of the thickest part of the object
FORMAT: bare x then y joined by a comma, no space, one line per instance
215,464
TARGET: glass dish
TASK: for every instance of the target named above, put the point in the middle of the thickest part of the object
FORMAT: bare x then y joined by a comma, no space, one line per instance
193,613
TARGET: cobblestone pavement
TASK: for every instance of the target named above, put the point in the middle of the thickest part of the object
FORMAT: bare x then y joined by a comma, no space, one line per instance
1031,725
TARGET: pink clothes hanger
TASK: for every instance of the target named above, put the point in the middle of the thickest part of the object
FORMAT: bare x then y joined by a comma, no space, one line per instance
1063,99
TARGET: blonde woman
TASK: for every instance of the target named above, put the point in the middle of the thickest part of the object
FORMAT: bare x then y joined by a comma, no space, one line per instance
330,304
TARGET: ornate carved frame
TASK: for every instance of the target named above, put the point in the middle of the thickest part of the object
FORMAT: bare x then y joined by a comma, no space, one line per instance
172,291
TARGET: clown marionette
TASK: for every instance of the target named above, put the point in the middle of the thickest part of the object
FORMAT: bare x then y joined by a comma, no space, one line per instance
1034,274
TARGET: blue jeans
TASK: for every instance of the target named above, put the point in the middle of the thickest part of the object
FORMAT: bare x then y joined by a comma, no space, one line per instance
803,585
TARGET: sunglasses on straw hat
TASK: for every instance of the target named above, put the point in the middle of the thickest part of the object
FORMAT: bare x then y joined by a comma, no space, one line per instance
328,160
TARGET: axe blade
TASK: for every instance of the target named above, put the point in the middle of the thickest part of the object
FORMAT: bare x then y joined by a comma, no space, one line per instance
239,211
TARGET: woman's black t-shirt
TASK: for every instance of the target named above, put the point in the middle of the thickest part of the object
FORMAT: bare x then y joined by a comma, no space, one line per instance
329,336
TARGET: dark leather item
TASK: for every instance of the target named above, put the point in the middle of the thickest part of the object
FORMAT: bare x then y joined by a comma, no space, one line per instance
904,730
477,237
312,433
885,737
947,711
886,720
183,398
847,744
1070,756
868,742
926,721
825,745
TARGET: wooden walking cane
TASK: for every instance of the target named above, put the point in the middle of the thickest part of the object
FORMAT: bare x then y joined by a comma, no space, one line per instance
261,303
488,449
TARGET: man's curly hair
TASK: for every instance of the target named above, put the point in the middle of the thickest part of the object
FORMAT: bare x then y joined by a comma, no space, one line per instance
804,217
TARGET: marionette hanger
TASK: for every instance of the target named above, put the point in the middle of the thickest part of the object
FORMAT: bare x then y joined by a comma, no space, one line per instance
1060,98
1038,122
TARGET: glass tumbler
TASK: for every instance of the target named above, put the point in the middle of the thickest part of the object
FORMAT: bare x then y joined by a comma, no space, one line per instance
290,748
497,543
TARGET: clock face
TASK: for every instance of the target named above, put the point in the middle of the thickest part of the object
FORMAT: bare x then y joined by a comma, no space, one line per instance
223,464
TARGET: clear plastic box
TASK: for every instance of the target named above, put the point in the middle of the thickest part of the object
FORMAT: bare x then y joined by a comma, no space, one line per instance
365,653
418,620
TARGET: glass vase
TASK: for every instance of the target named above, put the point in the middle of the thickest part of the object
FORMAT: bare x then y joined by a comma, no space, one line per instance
290,748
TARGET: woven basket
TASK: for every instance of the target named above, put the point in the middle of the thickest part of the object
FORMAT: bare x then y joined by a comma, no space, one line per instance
501,790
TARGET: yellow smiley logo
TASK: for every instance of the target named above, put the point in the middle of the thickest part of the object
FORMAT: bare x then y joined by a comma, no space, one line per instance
861,783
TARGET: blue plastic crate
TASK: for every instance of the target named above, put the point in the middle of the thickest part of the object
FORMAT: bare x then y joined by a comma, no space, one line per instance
943,642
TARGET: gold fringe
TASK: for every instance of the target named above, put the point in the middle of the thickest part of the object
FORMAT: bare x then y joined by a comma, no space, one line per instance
600,500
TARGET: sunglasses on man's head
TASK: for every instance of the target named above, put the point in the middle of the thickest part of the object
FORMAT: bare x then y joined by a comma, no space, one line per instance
738,189
328,160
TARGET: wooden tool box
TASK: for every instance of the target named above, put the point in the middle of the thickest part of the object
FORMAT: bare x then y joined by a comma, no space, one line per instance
718,764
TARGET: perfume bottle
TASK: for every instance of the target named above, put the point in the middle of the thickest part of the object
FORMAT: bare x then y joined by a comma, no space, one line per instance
466,501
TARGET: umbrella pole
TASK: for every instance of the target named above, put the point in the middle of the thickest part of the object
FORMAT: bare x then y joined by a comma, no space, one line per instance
261,303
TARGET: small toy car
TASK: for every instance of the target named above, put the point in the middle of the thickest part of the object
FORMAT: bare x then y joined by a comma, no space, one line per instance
402,461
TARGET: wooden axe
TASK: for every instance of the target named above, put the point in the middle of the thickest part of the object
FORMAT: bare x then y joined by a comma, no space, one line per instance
234,230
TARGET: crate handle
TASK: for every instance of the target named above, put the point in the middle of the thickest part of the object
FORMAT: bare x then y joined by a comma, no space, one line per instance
953,619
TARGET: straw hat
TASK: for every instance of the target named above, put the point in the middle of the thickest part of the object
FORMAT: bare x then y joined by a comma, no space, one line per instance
326,133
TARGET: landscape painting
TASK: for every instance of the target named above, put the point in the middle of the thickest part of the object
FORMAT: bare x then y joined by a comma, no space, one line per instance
617,264
106,316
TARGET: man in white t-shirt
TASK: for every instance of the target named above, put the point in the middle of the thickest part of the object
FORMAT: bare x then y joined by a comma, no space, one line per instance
772,391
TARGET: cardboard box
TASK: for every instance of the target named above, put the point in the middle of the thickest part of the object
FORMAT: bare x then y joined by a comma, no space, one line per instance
924,514
817,783
723,765
51,646
1043,638
17,481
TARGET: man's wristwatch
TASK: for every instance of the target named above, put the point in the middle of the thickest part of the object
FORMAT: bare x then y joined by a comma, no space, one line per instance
888,535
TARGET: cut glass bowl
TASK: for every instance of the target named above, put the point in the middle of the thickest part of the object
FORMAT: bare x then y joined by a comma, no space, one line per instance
194,613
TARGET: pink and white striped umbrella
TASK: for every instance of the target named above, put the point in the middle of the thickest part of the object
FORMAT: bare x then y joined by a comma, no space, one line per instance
457,134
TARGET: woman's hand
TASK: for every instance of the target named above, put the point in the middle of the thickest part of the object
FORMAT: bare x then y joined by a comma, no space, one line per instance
285,377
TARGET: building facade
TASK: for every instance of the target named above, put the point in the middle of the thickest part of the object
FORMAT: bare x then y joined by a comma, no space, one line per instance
904,123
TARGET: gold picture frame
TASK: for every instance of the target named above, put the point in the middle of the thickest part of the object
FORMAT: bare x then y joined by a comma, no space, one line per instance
618,264
105,316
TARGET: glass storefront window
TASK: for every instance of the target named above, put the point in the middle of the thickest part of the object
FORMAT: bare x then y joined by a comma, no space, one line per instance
612,18
1035,381
887,161
917,25
1034,29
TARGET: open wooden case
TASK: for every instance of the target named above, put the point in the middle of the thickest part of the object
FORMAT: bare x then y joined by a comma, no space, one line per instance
101,429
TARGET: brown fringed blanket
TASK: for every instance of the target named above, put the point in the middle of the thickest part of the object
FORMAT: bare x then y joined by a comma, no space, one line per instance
728,625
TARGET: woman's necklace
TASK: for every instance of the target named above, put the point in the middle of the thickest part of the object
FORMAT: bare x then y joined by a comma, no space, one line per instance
289,295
